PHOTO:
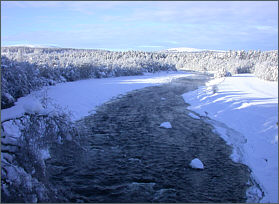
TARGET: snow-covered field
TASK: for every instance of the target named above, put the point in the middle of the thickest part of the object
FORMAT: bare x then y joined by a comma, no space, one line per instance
244,110
82,97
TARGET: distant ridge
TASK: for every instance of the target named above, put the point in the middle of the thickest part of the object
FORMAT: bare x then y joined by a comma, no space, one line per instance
188,49
32,46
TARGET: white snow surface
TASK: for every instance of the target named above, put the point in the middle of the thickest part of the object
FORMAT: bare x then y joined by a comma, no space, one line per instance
45,154
32,46
82,97
196,164
189,49
33,106
244,111
166,125
12,131
185,49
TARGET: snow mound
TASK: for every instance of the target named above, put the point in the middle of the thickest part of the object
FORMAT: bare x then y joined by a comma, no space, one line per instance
166,125
196,164
45,154
34,106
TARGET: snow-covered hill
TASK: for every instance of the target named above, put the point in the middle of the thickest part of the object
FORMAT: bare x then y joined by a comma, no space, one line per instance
188,49
32,46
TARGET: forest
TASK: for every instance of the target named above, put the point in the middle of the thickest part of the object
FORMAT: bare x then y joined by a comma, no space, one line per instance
24,69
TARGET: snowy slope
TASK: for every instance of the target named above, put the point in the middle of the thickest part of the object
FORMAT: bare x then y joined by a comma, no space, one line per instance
184,49
249,106
32,46
82,97
188,49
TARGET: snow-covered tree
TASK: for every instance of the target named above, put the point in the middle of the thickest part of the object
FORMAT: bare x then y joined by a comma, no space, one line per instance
24,69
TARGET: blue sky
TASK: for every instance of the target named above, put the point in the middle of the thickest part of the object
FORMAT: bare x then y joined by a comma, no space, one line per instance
149,26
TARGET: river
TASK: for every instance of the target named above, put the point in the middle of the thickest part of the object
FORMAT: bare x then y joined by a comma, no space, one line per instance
124,156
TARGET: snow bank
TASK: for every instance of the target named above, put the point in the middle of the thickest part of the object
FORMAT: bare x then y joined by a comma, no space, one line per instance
166,125
244,110
82,97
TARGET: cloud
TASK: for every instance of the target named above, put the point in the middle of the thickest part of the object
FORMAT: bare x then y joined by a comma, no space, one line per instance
266,28
138,24
172,42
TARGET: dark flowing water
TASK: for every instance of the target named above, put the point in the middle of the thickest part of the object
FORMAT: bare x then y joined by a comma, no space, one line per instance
124,156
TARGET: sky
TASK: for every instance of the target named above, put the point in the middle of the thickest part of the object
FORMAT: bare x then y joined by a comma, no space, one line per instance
142,25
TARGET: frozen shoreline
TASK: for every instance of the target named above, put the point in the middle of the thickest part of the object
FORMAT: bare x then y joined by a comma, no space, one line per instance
249,107
81,97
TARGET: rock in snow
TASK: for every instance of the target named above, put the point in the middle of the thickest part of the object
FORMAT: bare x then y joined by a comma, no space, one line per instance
166,125
196,164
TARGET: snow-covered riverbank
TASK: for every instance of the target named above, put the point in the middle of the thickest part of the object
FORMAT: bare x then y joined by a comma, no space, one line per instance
249,106
82,97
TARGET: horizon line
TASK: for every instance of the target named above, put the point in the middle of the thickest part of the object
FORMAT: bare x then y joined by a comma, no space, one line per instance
52,46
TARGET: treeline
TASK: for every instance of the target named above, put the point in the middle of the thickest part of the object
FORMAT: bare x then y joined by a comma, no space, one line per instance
24,69
263,64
